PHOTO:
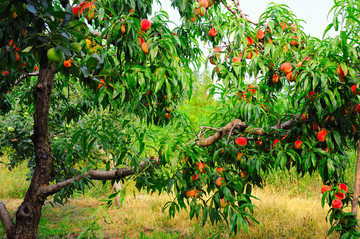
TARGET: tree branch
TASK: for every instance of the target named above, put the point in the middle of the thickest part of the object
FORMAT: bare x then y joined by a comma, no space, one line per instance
241,126
98,34
35,73
230,9
116,174
241,12
6,220
236,124
205,127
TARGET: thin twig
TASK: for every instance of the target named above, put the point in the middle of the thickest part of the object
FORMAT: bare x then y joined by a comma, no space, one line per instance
241,12
35,73
285,116
205,127
230,133
208,131
211,128
200,133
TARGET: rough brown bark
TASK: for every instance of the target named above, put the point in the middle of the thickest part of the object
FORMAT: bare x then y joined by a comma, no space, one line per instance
29,213
115,174
355,202
234,124
6,220
242,127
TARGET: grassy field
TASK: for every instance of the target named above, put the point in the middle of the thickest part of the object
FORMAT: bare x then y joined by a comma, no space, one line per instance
280,216
289,207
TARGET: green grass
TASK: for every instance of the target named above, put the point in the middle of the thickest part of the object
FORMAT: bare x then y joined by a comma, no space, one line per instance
9,188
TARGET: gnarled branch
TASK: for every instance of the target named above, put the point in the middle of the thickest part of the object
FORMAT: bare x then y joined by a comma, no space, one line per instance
286,125
234,124
115,174
6,220
243,127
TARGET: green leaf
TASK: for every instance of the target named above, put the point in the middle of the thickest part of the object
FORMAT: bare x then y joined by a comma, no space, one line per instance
85,71
343,37
337,137
233,223
93,62
205,215
168,89
101,13
330,167
328,28
27,49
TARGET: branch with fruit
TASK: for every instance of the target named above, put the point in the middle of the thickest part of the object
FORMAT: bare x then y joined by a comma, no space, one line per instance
241,126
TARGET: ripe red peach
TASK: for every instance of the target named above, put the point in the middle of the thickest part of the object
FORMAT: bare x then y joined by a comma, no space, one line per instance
236,59
260,34
286,68
295,42
145,25
321,135
212,32
220,182
325,188
275,78
250,41
298,144
336,204
241,141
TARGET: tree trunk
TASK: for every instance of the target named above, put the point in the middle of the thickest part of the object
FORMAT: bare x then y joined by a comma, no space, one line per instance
29,212
355,202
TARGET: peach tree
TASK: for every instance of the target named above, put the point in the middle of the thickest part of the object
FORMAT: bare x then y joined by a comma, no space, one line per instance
288,100
78,67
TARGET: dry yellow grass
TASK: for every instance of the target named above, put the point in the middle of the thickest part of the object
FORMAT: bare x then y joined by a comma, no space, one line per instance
280,216
282,213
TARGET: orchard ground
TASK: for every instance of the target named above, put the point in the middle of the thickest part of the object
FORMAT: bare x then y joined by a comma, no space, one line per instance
288,207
